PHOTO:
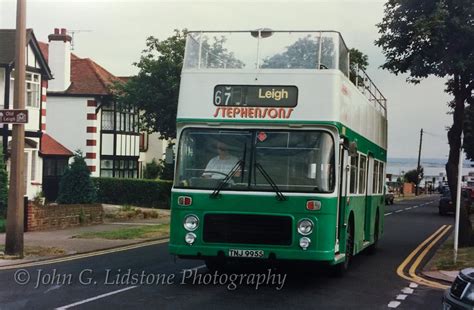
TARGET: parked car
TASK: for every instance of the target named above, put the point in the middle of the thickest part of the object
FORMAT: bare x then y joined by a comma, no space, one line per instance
461,293
389,197
447,206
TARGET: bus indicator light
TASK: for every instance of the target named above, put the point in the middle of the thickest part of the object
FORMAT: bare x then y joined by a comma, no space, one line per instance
313,205
185,200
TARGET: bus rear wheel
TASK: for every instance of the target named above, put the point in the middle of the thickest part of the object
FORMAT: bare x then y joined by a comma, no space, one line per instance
372,249
342,268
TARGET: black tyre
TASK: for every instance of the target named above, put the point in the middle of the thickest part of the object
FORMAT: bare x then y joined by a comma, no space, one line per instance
372,249
342,268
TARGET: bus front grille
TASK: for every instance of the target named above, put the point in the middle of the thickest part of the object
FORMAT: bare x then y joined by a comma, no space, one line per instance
247,229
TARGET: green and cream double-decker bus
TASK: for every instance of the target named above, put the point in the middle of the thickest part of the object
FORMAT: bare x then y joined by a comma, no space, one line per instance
281,150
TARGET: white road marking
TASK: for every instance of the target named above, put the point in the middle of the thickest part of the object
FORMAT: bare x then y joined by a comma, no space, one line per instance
407,290
52,288
81,302
388,213
398,211
401,297
394,304
413,285
409,208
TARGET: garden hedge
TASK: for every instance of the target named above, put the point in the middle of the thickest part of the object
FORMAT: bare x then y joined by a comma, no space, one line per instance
136,192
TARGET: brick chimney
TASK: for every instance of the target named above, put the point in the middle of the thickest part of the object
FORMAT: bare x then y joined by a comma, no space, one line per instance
59,59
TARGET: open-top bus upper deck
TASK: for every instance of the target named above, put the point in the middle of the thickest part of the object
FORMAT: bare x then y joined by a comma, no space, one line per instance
289,77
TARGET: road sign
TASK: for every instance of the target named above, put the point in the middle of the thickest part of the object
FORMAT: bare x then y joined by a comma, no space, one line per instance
14,116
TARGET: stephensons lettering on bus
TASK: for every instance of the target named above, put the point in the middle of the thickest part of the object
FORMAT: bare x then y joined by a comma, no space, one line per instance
249,112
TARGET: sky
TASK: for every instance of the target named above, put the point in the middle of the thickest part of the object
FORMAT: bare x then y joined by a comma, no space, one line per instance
113,33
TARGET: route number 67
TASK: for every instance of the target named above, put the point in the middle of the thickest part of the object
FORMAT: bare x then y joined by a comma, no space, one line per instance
220,96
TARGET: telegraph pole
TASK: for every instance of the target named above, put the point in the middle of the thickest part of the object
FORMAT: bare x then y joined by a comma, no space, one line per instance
15,213
418,168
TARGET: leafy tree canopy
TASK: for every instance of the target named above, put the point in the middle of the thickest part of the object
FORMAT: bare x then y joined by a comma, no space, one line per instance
412,176
154,90
469,133
429,37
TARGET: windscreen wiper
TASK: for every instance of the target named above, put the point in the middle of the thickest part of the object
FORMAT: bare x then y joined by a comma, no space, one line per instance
272,183
228,176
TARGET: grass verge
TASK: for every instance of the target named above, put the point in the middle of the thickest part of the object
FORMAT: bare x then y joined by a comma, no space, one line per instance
443,258
144,232
37,251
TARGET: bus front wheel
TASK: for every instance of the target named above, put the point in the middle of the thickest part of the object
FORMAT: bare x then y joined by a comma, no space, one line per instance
342,268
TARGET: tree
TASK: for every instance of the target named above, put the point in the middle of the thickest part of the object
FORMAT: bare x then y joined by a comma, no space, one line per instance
154,90
3,186
152,170
412,176
469,132
358,60
434,37
76,186
303,54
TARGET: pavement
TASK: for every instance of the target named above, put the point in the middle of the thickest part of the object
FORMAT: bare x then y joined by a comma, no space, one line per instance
64,243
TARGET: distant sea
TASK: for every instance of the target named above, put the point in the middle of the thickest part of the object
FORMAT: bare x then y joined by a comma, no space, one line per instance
431,166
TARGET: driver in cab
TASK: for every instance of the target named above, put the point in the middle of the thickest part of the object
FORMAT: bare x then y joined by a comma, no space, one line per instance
219,166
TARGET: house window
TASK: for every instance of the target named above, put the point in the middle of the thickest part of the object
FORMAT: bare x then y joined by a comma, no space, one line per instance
54,167
33,93
120,167
107,120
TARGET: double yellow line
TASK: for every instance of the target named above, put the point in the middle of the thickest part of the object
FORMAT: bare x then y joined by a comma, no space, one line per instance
427,245
84,255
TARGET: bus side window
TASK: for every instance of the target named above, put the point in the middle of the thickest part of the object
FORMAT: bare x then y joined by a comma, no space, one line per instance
353,182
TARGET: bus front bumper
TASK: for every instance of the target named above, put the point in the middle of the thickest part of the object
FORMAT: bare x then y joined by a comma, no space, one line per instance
251,252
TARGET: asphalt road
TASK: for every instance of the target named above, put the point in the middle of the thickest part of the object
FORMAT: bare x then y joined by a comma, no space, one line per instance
93,283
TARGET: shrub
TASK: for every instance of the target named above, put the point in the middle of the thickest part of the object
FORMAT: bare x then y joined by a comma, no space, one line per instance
76,186
3,187
152,170
137,192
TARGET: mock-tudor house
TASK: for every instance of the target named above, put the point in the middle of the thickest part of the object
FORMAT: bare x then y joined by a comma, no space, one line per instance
37,75
83,116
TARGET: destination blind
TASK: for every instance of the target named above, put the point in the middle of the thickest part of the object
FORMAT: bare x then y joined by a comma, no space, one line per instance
255,96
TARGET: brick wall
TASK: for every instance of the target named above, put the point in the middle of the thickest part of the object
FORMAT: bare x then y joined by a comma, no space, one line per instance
55,216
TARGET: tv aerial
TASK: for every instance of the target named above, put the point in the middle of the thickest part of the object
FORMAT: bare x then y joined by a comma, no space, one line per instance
72,32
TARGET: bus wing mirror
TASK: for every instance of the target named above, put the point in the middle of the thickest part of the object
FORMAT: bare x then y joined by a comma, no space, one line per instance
352,149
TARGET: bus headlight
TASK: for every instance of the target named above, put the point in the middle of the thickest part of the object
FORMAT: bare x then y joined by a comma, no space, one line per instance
191,222
305,242
305,227
190,238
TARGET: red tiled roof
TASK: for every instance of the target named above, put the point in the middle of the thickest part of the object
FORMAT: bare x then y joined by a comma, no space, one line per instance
49,146
87,77
44,49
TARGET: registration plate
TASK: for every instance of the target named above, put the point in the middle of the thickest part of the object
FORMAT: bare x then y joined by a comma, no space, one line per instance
246,253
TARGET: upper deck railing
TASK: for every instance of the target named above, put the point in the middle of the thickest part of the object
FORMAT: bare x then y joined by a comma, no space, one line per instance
268,49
